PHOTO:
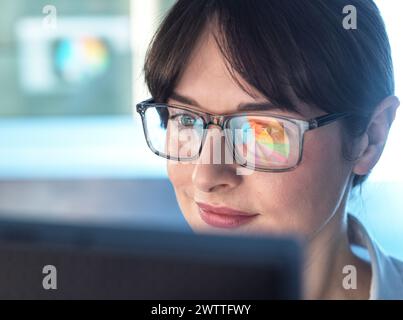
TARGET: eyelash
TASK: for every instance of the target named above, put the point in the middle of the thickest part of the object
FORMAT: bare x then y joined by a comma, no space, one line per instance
173,117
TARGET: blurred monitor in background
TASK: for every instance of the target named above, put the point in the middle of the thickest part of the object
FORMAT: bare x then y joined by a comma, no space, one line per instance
77,66
78,69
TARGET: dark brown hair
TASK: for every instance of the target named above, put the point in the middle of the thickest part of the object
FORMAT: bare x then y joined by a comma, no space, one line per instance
275,45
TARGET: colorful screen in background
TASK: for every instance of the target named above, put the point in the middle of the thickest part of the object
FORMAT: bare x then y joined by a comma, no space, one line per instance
82,67
78,60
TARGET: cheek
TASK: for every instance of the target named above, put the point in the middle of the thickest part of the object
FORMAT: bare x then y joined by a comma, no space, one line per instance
304,199
323,162
180,175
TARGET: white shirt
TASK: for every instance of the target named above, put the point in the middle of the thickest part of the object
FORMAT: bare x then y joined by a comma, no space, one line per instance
387,272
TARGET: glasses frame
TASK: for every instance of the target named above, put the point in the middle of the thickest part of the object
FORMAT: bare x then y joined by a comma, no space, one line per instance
223,120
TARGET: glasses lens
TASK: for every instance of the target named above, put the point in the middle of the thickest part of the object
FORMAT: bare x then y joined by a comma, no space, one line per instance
174,133
265,142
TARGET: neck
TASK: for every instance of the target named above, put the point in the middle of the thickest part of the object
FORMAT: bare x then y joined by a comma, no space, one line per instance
326,255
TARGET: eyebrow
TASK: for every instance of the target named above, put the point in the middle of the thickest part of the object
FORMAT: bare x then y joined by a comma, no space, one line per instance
249,106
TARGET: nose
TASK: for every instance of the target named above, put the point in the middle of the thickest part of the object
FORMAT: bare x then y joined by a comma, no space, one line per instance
215,169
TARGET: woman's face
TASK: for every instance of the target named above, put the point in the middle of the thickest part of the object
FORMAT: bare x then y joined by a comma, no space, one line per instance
297,202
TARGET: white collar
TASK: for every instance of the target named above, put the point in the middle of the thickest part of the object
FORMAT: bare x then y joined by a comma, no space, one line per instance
387,272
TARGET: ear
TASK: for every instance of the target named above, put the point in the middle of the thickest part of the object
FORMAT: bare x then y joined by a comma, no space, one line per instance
374,139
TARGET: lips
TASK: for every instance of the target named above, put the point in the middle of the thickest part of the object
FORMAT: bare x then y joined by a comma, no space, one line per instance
223,217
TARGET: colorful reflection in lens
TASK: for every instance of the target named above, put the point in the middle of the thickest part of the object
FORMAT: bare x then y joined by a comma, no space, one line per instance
271,140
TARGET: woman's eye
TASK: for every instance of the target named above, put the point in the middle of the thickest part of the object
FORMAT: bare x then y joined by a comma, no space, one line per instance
185,120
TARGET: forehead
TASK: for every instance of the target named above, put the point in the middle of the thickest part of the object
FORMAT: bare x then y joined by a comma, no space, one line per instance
207,80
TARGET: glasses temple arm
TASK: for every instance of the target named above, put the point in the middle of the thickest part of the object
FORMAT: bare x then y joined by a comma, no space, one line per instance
326,119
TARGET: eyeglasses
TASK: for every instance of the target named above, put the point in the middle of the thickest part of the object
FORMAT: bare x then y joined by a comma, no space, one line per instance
256,140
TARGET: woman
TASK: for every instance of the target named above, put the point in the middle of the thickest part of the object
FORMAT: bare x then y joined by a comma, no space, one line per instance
301,103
